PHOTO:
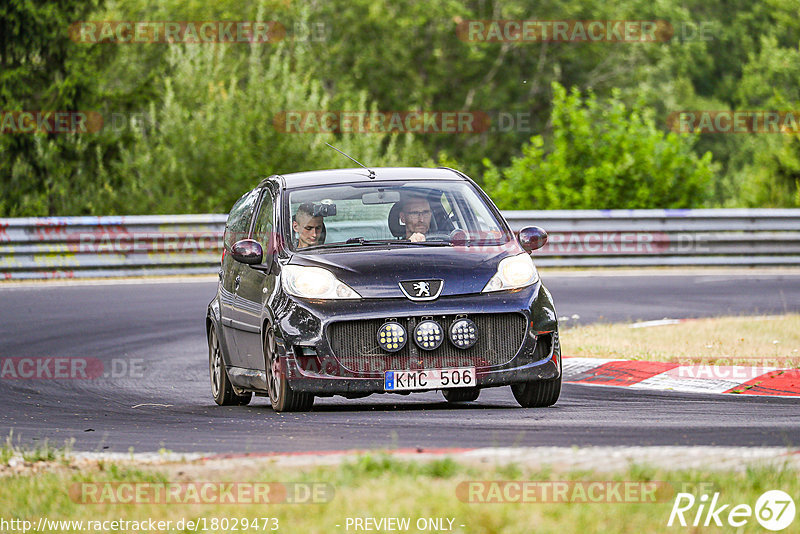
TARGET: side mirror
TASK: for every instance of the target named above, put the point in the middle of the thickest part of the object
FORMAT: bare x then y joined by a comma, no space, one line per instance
247,251
532,238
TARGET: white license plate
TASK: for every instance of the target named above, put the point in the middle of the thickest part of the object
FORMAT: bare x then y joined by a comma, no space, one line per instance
462,377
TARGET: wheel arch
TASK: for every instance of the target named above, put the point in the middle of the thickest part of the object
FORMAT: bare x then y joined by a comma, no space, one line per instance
543,312
213,318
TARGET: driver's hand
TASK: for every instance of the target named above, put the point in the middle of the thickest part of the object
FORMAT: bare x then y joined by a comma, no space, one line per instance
416,237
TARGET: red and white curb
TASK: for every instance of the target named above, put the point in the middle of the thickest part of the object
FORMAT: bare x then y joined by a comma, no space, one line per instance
689,378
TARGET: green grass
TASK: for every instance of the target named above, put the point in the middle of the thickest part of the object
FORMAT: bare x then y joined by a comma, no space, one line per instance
758,341
369,465
378,485
41,452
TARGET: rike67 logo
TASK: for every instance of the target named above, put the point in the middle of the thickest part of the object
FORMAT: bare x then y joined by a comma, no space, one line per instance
774,510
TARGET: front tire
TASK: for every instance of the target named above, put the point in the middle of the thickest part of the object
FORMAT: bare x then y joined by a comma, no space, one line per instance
221,388
281,396
540,393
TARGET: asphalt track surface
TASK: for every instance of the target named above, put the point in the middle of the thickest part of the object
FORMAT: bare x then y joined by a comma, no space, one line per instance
164,399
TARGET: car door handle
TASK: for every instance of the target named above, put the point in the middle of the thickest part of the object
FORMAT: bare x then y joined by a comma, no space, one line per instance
237,281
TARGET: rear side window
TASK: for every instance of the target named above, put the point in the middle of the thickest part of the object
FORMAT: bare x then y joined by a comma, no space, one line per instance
239,219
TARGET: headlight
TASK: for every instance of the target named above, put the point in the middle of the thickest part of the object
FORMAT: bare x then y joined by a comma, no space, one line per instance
513,272
314,283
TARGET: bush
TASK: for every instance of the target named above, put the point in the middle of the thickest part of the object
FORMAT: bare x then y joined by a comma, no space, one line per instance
603,156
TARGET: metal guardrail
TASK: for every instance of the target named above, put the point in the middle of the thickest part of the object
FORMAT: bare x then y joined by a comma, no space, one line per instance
703,237
72,247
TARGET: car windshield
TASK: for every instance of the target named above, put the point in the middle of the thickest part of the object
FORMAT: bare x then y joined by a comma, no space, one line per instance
421,213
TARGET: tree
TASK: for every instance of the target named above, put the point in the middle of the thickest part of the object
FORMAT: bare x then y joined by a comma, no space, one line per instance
603,156
207,142
769,170
42,70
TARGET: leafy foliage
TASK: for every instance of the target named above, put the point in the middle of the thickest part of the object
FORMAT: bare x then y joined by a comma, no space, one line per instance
603,156
188,127
210,141
41,69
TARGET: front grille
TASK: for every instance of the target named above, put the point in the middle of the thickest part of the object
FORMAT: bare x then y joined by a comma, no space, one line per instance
355,345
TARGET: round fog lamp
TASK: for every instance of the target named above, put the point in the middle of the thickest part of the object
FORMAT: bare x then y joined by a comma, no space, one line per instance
392,336
428,335
463,333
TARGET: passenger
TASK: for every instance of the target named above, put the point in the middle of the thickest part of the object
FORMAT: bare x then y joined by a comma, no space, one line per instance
309,229
416,215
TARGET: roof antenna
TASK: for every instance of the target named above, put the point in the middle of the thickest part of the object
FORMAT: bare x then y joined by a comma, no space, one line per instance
371,172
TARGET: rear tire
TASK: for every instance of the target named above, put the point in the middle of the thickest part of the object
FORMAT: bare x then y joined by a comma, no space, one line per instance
461,394
281,396
221,388
540,393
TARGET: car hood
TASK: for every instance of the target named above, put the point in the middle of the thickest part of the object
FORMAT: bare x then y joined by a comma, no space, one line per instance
376,272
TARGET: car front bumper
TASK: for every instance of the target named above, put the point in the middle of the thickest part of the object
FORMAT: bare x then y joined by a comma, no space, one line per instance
304,325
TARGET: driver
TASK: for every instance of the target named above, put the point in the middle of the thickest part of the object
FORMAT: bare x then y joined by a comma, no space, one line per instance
416,215
308,228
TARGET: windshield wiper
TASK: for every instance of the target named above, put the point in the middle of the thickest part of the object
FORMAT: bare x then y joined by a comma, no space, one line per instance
363,241
484,242
427,243
355,241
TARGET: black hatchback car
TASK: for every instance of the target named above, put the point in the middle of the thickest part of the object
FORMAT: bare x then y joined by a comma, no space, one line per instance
391,280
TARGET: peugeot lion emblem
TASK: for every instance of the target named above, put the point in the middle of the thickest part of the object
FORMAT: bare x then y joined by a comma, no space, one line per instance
422,289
